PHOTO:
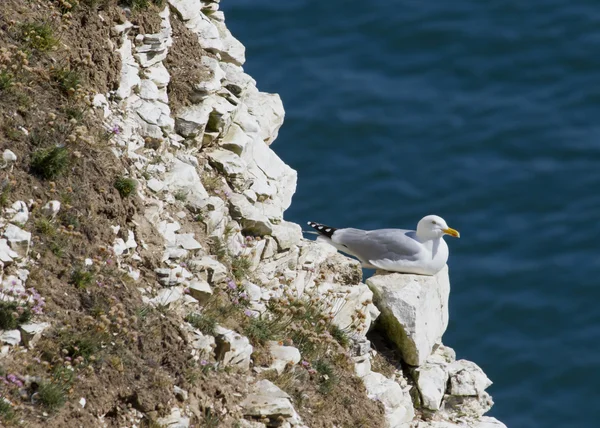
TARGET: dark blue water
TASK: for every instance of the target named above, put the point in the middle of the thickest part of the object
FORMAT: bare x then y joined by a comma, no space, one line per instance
484,112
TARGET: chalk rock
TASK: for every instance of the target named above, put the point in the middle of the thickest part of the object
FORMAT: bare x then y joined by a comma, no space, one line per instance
213,84
228,163
200,290
167,296
129,70
187,241
181,394
204,343
396,402
6,253
252,220
158,74
467,378
19,211
431,378
268,111
262,161
191,121
233,50
235,139
214,270
286,234
184,177
431,381
169,277
8,156
191,13
174,420
10,337
282,356
232,348
473,407
483,422
238,82
51,208
414,311
352,307
31,333
267,400
18,239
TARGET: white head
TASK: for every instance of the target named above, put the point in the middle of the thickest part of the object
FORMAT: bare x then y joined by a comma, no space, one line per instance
433,226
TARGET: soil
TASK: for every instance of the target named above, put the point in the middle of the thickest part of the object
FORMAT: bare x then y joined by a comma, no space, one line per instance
183,65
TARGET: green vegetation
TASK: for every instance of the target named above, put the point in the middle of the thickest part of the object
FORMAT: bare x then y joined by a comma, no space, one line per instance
327,378
6,79
5,190
38,36
50,163
13,314
181,195
45,227
141,4
6,411
125,186
205,323
240,267
68,80
82,278
51,395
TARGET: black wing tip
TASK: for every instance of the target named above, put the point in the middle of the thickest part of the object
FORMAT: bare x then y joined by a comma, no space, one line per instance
322,229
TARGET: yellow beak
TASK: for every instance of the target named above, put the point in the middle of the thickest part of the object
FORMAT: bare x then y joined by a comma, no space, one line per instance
452,232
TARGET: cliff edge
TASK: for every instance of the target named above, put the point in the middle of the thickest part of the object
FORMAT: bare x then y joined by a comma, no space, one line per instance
148,276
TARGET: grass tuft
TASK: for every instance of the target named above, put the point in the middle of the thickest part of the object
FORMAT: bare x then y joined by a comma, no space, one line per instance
51,395
6,411
50,163
82,278
68,80
12,315
125,186
240,267
206,324
38,36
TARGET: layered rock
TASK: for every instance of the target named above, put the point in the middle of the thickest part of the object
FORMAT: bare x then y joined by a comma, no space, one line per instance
226,133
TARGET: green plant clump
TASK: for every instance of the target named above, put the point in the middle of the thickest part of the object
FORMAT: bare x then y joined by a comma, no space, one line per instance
38,36
6,411
51,395
68,80
82,278
206,324
125,186
50,163
12,315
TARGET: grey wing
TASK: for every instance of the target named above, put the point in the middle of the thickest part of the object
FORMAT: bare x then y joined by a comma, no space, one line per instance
381,244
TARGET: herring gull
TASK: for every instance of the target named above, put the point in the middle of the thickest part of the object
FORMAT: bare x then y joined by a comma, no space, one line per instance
422,252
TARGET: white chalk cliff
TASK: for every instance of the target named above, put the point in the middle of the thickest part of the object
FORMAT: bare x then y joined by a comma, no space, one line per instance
226,133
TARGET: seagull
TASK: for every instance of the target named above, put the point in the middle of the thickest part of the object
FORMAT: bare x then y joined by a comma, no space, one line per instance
422,252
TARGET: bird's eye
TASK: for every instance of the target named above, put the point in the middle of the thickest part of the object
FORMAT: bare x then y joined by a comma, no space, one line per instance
433,222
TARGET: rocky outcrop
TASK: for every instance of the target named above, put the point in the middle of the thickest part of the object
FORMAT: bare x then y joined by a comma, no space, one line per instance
414,311
211,185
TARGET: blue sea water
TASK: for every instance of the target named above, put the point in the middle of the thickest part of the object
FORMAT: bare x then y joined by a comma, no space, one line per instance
484,112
